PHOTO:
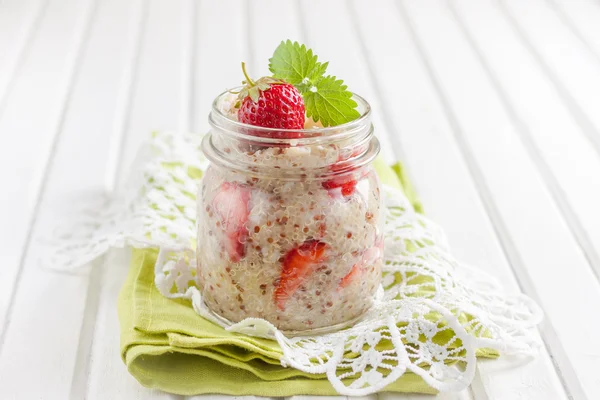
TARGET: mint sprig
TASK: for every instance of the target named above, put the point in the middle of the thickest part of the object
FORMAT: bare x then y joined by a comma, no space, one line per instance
326,98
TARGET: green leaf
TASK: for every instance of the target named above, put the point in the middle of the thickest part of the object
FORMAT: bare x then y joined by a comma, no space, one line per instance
326,98
293,63
330,102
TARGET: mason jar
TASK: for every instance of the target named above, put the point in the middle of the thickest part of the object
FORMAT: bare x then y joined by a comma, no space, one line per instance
290,222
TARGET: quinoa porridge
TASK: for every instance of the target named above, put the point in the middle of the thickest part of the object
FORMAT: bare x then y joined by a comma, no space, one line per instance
302,253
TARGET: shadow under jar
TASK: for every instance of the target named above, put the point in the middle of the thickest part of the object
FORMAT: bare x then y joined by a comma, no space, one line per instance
290,223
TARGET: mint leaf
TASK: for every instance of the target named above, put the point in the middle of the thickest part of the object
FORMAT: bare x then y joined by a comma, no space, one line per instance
330,102
294,63
326,98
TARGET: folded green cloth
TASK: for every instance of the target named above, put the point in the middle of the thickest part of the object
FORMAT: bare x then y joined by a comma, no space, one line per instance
166,345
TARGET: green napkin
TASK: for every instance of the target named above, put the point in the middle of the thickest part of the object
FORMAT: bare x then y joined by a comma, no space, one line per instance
166,345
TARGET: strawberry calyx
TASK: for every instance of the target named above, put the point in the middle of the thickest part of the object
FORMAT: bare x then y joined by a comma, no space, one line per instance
253,88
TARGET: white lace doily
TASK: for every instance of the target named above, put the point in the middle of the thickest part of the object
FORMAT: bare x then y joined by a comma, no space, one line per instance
430,318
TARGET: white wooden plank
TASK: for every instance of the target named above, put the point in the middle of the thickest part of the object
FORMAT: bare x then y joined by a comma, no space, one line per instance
225,397
397,396
283,23
528,224
156,82
19,20
574,70
156,100
109,378
462,395
188,66
582,17
370,397
43,87
218,57
77,169
568,164
442,178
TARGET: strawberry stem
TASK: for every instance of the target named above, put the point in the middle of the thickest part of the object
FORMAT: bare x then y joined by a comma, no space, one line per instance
250,81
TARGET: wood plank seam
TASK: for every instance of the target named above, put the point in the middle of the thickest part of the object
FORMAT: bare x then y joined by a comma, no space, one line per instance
86,331
86,337
249,55
558,195
188,66
123,107
302,22
72,68
511,253
23,47
582,119
375,82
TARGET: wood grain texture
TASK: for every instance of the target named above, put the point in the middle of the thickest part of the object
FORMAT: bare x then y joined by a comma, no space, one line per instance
581,16
492,105
217,57
19,20
565,58
528,224
76,172
551,136
23,162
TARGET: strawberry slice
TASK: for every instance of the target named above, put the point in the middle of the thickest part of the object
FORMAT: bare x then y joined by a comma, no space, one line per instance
231,205
339,165
298,264
356,270
346,183
369,256
347,187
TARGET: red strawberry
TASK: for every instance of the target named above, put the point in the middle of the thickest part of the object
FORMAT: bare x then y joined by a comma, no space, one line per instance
231,205
347,186
297,265
272,104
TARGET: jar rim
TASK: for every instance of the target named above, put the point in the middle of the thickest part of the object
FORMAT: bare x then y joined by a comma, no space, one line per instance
330,133
291,174
350,137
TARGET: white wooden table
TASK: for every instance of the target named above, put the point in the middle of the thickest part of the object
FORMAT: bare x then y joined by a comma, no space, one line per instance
494,106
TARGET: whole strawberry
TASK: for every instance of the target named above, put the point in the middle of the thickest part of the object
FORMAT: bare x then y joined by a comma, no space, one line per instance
271,103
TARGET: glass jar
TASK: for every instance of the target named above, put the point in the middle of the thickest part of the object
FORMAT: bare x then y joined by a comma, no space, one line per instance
290,222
